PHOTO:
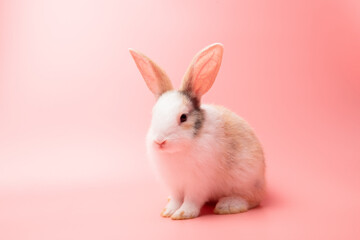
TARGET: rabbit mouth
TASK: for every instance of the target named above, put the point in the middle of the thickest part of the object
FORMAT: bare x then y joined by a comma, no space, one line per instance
160,144
171,146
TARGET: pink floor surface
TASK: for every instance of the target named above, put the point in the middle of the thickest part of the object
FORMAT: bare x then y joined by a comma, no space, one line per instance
311,210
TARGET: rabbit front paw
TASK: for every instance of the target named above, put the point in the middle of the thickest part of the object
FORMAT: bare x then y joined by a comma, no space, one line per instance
186,211
171,207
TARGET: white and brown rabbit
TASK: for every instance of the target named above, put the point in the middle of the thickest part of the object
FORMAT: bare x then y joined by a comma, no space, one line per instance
202,152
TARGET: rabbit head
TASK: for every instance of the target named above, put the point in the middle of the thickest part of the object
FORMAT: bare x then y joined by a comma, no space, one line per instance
177,117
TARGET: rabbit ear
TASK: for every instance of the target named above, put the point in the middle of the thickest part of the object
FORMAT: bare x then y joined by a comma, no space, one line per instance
155,78
202,71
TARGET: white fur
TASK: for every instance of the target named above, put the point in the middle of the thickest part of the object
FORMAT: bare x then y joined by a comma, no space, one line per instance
192,170
165,125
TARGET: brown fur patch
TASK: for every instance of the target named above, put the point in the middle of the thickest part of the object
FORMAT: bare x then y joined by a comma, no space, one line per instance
192,99
196,113
200,117
187,125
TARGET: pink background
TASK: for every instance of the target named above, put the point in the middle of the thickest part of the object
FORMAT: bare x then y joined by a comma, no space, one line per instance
74,111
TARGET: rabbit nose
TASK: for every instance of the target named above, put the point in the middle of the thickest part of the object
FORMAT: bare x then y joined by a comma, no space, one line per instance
161,143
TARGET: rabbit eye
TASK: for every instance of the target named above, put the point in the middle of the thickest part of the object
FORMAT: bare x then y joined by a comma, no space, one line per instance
183,118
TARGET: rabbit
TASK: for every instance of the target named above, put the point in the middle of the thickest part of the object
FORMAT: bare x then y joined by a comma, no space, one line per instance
203,153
